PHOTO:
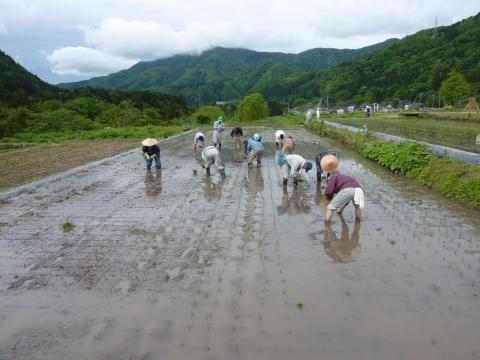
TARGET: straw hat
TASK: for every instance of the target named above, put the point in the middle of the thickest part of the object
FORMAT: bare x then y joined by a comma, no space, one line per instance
149,142
329,163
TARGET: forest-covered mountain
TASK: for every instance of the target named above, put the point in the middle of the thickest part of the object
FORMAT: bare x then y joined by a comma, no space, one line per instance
222,73
413,69
18,86
30,106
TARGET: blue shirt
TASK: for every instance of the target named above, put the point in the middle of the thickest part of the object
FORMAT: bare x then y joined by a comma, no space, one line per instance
251,144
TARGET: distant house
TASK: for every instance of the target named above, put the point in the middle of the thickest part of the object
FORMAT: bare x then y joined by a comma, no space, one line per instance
220,103
351,108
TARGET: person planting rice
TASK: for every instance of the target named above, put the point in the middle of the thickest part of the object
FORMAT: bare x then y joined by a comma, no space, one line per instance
292,165
279,137
236,134
254,148
218,127
341,189
211,155
288,145
151,151
199,141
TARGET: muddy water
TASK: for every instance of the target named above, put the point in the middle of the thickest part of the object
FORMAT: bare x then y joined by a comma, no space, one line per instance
171,265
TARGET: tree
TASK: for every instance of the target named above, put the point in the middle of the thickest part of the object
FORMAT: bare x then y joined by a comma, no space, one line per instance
207,113
252,107
454,88
275,108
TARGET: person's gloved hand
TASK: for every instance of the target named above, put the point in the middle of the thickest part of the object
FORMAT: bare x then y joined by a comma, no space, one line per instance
295,181
285,182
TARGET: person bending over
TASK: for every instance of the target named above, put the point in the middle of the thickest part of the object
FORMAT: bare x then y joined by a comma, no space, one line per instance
210,156
341,189
151,151
254,149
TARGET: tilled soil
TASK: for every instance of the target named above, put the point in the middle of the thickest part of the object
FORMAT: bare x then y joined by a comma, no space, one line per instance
171,265
30,163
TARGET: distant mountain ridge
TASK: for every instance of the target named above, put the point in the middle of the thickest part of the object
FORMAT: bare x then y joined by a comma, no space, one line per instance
222,73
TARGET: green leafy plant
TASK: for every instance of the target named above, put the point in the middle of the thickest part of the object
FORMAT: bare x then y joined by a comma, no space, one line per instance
68,226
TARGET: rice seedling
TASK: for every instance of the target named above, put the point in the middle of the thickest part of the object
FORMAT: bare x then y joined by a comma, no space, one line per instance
68,226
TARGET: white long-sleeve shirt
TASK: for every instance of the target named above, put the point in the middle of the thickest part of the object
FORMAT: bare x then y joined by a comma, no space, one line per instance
293,165
218,125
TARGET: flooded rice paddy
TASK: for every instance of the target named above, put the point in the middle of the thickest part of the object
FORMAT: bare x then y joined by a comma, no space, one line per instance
172,265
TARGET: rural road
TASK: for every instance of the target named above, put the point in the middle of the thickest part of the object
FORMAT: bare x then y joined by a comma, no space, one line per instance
168,265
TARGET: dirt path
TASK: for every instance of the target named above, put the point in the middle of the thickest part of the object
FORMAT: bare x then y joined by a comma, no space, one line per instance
31,163
169,265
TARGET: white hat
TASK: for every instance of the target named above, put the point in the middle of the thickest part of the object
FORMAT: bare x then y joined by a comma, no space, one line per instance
149,142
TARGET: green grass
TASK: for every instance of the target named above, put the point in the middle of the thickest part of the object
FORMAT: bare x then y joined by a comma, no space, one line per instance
452,133
6,151
67,226
275,121
159,132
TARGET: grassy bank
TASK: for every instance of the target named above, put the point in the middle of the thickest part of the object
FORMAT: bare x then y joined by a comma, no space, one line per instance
274,121
451,177
137,132
452,133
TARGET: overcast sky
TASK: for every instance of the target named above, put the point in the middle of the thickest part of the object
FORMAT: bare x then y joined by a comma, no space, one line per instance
68,40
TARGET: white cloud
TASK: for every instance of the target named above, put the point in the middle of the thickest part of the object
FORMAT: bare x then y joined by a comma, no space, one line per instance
127,30
82,61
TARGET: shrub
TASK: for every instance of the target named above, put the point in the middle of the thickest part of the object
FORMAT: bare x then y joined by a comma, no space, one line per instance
451,177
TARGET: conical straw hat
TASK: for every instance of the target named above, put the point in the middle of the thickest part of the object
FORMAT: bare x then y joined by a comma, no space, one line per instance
149,142
329,163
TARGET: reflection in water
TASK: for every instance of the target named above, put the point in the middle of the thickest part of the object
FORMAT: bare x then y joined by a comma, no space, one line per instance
254,180
213,190
153,182
198,156
297,203
238,155
347,248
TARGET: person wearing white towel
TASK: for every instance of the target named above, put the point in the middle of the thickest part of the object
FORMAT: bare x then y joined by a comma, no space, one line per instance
279,138
199,141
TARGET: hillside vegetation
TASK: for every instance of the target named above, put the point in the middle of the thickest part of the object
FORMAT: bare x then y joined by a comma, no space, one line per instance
413,68
29,107
221,73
